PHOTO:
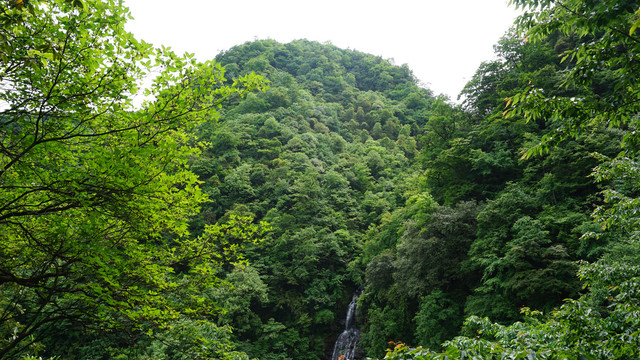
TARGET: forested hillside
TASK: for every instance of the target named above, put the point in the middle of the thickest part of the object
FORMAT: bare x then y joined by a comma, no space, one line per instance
370,181
324,156
236,213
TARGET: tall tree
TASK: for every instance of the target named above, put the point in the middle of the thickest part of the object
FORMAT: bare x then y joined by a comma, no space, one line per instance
603,322
95,194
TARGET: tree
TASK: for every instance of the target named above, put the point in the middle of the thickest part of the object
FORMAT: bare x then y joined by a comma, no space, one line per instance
438,319
603,322
603,68
429,256
94,193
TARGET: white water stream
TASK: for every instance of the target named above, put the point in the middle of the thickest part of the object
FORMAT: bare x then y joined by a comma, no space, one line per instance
346,344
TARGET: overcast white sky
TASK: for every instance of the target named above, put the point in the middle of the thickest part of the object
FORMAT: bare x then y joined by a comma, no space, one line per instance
442,41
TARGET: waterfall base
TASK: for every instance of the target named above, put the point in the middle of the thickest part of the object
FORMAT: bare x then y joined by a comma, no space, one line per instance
345,347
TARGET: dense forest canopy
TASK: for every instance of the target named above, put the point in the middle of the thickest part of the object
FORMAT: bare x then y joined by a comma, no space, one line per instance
239,210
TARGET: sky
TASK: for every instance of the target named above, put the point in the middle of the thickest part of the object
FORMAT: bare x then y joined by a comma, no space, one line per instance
442,41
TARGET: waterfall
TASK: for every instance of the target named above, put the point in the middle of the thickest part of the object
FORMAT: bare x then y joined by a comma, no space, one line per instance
346,344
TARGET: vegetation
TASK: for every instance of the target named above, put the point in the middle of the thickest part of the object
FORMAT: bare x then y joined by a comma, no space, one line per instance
235,219
322,157
597,94
95,196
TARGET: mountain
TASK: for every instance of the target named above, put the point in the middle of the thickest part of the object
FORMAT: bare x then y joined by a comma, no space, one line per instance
323,155
369,180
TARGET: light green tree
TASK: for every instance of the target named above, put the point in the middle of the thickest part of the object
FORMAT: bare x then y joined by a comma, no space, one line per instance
94,193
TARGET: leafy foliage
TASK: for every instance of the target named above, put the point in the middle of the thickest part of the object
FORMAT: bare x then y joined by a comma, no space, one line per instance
95,194
130,229
598,41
